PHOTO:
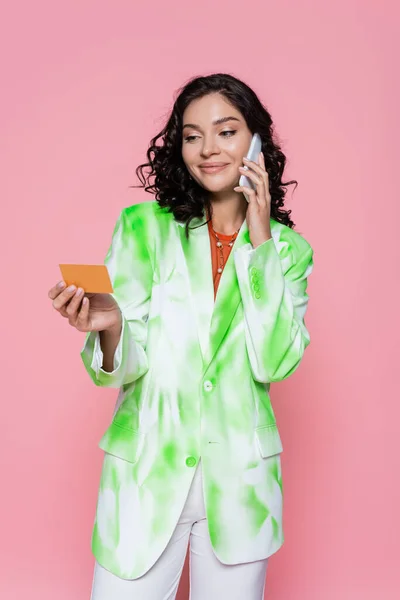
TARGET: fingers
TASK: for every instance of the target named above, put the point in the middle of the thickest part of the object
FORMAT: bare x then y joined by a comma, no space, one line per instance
251,175
55,290
248,192
258,168
259,185
259,176
257,173
82,318
62,299
73,306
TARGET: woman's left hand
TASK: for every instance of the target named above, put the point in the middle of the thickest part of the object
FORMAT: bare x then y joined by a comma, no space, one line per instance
259,209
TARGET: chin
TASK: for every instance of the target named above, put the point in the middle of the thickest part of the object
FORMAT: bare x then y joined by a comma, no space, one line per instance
219,187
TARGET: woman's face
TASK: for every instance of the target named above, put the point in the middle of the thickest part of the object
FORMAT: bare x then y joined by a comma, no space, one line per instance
206,142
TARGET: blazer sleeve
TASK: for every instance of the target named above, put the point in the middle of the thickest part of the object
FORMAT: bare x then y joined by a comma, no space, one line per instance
129,265
274,298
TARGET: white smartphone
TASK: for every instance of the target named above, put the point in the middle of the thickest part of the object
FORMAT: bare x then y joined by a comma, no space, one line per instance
253,153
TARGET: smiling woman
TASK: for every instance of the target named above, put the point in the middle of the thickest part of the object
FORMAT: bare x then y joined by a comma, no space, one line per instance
208,306
212,123
216,144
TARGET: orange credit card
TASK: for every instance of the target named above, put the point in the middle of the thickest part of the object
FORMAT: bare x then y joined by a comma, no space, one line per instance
92,278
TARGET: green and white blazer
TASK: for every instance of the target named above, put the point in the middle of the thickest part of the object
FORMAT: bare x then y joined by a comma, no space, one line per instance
194,377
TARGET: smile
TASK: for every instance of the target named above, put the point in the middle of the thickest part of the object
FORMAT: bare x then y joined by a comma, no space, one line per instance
210,170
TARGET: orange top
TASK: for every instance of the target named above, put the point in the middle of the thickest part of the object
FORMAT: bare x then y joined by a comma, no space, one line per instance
215,254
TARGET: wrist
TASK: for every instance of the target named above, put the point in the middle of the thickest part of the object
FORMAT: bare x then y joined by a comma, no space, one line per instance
116,327
258,241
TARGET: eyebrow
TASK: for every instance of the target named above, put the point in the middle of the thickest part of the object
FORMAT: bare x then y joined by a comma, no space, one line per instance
216,122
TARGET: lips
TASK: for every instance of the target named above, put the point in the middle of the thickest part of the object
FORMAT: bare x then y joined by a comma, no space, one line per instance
213,168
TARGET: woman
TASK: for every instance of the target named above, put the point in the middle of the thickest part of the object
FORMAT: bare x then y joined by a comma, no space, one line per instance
207,310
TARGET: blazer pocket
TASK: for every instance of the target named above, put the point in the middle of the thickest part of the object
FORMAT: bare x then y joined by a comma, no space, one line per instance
268,440
122,442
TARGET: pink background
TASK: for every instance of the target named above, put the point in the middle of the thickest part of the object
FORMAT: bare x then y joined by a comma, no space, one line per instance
84,87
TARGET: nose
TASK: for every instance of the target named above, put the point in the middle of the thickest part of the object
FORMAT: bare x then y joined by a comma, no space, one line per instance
210,146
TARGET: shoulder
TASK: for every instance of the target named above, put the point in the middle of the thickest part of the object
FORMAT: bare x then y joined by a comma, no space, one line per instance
146,224
289,241
148,214
140,210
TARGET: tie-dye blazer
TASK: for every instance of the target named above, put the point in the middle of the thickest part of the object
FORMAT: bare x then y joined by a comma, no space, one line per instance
194,379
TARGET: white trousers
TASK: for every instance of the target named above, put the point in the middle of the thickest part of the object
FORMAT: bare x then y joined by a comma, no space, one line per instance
209,578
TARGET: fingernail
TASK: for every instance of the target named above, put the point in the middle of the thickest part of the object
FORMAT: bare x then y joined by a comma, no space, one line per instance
79,291
61,284
246,159
71,288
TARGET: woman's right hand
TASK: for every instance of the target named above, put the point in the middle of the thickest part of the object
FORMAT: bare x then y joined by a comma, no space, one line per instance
99,312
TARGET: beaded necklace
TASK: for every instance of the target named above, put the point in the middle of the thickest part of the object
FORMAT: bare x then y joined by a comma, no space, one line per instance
220,245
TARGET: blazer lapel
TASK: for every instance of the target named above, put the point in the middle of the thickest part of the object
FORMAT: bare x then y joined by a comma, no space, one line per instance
197,254
212,318
227,298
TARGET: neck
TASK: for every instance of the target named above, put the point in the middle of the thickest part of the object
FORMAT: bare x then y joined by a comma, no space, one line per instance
228,213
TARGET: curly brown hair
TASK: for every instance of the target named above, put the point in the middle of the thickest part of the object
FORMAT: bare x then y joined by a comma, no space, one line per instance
173,186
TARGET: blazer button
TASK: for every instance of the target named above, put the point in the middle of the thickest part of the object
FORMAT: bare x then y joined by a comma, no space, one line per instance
191,461
257,295
208,386
253,270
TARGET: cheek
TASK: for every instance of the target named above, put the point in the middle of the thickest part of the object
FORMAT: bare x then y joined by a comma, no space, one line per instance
189,157
238,148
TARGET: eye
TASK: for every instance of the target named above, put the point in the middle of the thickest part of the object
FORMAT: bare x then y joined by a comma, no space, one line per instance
232,131
225,133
